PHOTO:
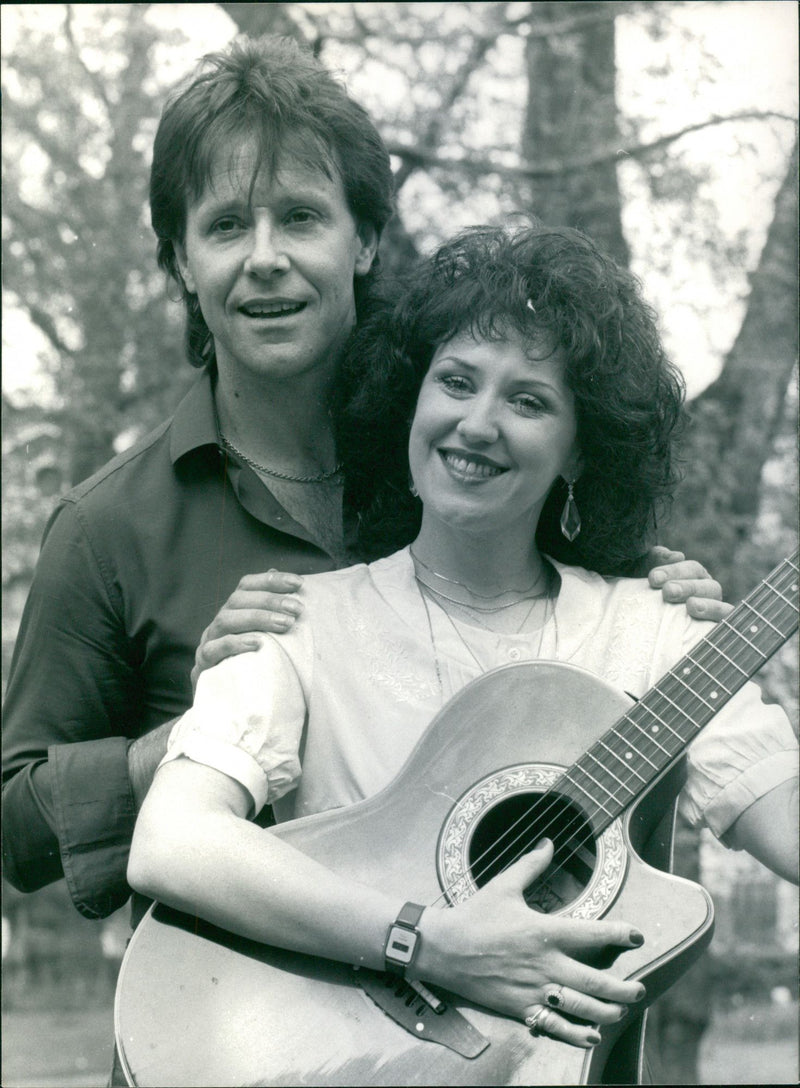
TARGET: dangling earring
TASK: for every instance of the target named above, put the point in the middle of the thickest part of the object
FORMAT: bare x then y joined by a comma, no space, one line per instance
570,517
412,488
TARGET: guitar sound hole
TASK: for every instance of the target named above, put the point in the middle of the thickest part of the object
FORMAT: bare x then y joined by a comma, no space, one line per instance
514,825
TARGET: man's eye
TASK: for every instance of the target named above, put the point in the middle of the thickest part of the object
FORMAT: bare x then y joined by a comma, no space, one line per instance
301,216
227,225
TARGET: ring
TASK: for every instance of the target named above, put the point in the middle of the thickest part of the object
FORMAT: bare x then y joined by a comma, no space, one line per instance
554,996
532,1021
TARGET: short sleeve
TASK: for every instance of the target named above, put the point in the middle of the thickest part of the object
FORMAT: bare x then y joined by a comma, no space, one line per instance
747,750
247,722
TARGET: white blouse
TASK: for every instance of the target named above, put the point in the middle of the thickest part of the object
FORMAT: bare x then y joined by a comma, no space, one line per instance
326,714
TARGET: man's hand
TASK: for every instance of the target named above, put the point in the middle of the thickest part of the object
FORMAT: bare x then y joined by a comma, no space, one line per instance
684,581
260,602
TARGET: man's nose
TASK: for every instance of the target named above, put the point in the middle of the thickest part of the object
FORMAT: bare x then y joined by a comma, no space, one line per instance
267,251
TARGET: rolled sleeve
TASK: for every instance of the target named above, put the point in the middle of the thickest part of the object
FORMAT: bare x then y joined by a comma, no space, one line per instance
746,751
247,722
91,790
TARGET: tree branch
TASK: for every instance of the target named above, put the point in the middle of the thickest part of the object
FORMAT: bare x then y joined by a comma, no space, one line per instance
93,78
45,323
419,155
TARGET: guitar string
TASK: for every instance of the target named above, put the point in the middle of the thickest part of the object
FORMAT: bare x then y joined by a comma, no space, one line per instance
734,641
580,819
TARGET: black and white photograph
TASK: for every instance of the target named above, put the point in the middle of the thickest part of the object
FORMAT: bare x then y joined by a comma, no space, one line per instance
400,543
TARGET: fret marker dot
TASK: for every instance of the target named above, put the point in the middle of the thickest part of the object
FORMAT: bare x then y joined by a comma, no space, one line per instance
713,694
794,588
754,628
687,670
654,729
629,755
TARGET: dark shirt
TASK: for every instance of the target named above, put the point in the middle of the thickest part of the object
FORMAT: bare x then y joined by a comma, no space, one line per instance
136,561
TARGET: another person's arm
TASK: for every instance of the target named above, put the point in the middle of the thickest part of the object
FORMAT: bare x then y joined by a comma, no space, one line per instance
72,697
72,776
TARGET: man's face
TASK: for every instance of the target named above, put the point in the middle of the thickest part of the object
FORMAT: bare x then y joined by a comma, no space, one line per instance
272,264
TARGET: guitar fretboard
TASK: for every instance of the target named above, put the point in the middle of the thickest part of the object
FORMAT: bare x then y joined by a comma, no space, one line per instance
623,763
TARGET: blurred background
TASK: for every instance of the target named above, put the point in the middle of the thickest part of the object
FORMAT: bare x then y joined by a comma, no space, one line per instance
666,130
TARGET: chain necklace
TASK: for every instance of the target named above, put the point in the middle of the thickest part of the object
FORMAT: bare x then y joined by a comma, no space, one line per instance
470,606
548,610
473,593
322,478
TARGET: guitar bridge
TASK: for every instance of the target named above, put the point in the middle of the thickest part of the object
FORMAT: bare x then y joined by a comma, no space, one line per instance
423,1018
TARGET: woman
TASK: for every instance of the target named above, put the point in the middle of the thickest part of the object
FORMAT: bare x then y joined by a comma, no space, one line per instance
524,375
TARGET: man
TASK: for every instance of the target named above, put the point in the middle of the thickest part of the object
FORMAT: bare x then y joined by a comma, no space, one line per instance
269,191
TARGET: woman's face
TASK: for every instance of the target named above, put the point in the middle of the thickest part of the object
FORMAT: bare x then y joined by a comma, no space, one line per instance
272,265
493,429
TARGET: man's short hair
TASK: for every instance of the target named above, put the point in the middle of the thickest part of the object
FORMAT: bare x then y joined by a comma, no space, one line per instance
273,92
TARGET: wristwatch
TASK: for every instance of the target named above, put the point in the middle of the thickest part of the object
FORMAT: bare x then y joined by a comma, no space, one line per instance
402,939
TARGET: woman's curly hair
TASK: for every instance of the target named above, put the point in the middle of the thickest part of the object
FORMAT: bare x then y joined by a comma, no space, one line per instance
628,397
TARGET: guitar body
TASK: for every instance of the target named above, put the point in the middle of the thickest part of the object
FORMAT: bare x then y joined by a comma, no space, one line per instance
197,1006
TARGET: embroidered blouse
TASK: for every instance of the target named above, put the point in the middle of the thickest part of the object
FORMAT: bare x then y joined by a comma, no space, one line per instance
326,714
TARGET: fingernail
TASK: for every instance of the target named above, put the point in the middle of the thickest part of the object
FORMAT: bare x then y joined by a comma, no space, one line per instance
283,621
641,994
542,844
637,938
594,1038
291,605
673,591
253,644
658,577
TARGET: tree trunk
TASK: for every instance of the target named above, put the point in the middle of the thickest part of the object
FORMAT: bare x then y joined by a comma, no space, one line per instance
736,419
572,109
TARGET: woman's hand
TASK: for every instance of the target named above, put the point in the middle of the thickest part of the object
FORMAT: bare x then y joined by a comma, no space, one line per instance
260,602
684,581
494,950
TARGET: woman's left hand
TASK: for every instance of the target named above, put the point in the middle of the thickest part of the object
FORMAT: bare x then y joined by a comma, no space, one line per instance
685,581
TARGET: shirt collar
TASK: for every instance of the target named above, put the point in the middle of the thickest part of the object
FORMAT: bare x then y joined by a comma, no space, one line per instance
194,423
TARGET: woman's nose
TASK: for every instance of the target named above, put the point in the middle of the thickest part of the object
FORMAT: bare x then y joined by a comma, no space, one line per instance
267,254
479,421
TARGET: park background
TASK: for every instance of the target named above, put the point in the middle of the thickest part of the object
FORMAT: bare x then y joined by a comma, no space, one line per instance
666,130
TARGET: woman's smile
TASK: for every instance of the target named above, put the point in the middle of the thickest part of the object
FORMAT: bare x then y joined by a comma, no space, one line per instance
494,427
471,467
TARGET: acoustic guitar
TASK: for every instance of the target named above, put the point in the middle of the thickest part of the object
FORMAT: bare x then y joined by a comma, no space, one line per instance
527,750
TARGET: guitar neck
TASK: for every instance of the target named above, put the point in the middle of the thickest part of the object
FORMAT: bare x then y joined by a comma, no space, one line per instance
655,732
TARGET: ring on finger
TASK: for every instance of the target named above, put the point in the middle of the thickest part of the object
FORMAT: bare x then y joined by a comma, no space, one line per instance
532,1022
554,997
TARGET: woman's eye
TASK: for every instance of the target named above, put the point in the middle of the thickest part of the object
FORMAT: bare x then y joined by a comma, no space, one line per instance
529,405
455,383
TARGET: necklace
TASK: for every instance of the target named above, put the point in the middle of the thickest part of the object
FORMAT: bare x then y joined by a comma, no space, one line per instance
549,609
522,595
322,478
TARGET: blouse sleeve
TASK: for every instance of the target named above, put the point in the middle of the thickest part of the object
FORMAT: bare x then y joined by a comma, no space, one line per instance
747,750
247,722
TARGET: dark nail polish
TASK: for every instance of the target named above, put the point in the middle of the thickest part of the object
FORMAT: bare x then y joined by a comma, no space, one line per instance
637,938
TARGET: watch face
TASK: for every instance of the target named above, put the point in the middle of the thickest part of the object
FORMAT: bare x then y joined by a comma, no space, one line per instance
401,944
